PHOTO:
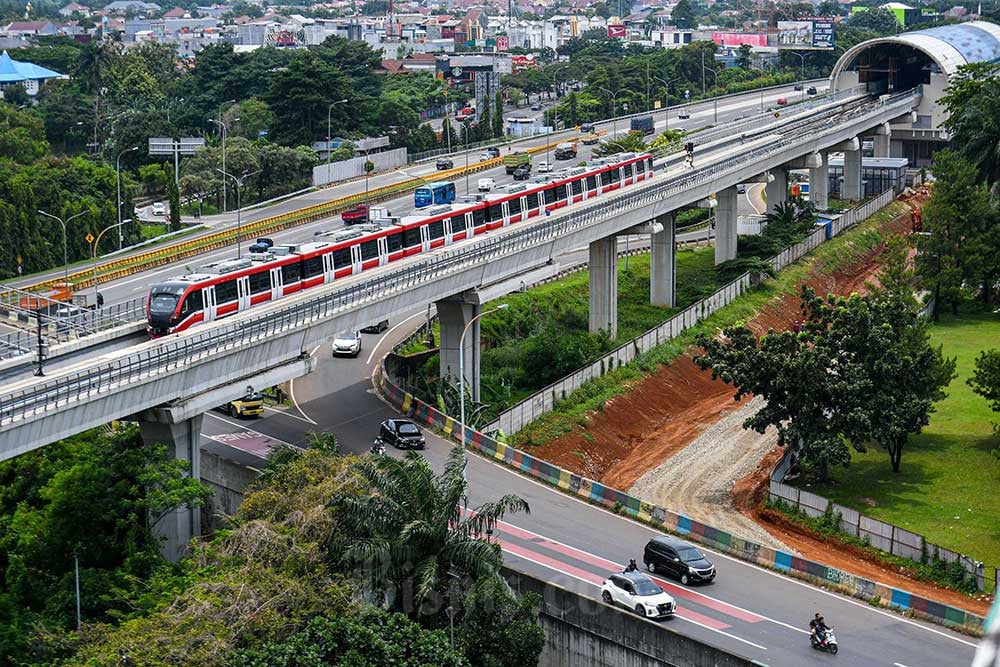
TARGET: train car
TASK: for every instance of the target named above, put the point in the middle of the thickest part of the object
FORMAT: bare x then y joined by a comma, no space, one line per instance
232,286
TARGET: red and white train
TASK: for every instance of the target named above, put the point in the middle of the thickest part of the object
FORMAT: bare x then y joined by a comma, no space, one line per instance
232,286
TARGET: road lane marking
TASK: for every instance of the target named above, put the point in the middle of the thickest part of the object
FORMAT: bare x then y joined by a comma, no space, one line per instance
291,391
898,664
386,335
746,193
289,415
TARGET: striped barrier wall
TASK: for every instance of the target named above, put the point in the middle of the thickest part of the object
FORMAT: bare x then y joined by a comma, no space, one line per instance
668,521
132,264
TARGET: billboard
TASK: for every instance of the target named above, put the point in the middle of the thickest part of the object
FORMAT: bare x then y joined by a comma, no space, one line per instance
739,38
616,31
805,35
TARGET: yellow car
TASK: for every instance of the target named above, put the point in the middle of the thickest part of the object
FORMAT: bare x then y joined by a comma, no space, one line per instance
251,405
590,139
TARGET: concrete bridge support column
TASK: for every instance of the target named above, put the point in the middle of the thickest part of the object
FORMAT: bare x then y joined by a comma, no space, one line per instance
663,263
852,175
819,184
604,286
776,190
883,136
725,225
455,313
180,526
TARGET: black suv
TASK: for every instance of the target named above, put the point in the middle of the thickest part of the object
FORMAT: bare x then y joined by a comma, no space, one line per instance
401,433
812,90
797,86
677,558
522,174
445,163
492,151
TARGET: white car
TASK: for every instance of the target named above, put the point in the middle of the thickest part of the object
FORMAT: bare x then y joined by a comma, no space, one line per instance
486,184
159,208
683,114
347,344
636,591
544,167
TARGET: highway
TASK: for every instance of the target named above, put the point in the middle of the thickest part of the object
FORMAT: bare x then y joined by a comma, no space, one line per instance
749,610
702,115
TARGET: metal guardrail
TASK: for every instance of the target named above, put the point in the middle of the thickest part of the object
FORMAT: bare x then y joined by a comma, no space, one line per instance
185,351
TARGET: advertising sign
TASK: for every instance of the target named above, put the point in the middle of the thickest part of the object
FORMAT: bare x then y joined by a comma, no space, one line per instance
503,43
805,35
617,31
739,38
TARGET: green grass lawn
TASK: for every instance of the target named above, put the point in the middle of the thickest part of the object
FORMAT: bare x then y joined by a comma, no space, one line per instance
948,488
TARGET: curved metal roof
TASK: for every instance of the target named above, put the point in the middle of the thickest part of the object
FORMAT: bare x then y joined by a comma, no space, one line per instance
949,46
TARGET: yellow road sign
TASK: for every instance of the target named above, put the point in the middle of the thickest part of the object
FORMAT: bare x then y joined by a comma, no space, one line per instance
90,238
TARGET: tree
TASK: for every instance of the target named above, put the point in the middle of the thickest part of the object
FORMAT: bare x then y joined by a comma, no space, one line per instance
861,370
630,143
500,629
255,118
876,19
498,116
744,56
411,531
683,15
896,277
173,198
973,103
985,379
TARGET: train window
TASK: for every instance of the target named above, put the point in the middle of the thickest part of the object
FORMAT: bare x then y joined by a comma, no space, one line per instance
649,164
628,170
591,182
615,175
495,213
514,205
312,267
395,241
550,195
411,237
532,200
369,250
561,191
290,273
578,186
479,217
260,282
225,292
458,224
341,258
192,303
436,229
606,178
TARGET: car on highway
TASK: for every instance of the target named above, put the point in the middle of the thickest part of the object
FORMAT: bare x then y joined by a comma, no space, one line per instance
812,90
376,328
521,174
684,114
741,188
679,559
486,184
545,167
444,163
261,245
639,593
159,208
590,139
346,344
489,153
782,101
536,107
797,86
251,405
586,127
401,434
355,215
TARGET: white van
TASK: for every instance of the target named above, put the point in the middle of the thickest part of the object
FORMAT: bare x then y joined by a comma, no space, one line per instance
486,184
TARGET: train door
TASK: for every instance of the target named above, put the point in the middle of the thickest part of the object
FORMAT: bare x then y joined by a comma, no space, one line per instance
447,231
276,284
328,268
383,251
356,259
505,212
208,297
469,229
425,239
243,292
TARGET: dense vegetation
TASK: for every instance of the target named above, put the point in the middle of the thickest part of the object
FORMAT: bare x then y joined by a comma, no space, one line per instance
289,580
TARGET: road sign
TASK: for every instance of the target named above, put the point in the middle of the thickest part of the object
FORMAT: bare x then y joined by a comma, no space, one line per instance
168,145
687,94
89,237
456,71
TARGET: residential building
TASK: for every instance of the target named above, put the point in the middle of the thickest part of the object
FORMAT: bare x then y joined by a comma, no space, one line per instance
29,75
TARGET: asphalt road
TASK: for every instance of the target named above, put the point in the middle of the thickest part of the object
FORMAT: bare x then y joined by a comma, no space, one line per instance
702,115
748,610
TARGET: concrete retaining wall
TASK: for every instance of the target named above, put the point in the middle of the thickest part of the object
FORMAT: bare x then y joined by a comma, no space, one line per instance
346,169
581,631
228,480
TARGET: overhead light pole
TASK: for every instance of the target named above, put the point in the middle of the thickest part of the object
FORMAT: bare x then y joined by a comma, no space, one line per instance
461,363
614,110
238,180
329,137
666,98
64,223
118,182
224,130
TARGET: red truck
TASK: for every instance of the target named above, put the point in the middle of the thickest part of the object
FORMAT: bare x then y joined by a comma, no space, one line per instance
356,215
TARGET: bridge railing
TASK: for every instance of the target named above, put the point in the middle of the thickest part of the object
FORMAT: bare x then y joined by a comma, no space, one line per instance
172,354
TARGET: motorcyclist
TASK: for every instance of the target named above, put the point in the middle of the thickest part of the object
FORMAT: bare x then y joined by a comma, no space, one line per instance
632,566
377,447
818,627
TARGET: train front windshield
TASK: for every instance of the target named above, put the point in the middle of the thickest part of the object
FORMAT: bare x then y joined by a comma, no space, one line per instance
162,303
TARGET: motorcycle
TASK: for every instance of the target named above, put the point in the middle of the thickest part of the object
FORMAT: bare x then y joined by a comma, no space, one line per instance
828,643
378,447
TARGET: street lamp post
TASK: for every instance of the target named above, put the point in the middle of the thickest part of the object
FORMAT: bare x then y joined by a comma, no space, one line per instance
65,252
239,205
118,182
666,98
461,363
715,99
802,70
614,110
225,131
329,137
93,255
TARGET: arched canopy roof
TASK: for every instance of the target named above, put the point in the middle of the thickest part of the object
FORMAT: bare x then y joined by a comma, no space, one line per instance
949,46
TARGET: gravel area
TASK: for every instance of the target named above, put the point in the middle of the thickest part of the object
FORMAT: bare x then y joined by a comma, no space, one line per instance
698,480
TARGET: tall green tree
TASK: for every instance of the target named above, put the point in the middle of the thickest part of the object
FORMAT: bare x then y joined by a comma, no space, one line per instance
412,530
683,15
985,379
973,103
743,56
861,371
498,116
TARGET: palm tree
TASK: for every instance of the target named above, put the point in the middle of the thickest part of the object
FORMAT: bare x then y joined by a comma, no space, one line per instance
412,529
